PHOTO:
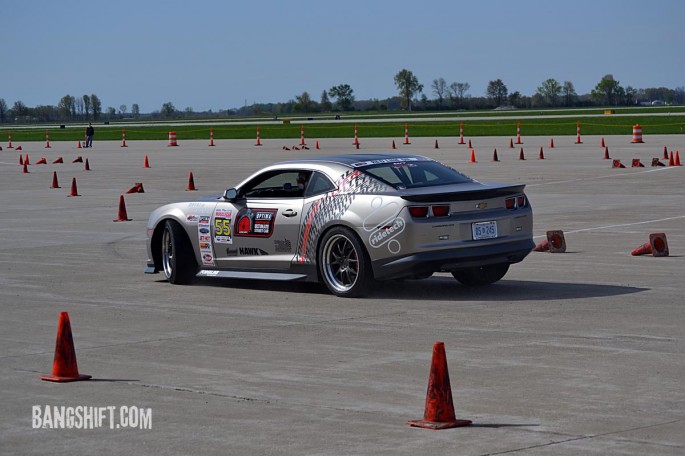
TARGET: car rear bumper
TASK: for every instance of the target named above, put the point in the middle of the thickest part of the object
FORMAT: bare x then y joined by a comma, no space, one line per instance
419,264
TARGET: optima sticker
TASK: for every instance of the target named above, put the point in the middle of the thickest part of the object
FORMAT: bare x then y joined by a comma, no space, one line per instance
255,222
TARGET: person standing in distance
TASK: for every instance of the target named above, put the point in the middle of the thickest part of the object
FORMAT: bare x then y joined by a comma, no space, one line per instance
90,131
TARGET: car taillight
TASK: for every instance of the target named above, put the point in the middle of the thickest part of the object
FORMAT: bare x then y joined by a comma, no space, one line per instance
516,202
521,201
510,203
418,211
441,211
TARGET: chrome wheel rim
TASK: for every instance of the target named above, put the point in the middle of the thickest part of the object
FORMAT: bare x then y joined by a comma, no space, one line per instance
167,254
341,263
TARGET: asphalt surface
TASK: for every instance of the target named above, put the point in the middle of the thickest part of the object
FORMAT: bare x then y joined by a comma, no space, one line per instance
574,353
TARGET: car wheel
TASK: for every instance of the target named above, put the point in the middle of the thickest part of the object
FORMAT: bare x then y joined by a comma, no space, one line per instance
484,275
178,260
344,264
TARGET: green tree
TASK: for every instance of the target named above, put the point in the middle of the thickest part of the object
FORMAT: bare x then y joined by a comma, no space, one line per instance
607,91
457,91
95,106
135,110
408,85
343,94
87,107
497,91
550,91
3,110
168,110
325,102
67,107
568,91
303,103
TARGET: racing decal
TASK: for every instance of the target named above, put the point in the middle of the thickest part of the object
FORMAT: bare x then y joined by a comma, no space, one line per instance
251,251
387,160
204,238
222,226
251,222
384,225
192,218
332,206
284,246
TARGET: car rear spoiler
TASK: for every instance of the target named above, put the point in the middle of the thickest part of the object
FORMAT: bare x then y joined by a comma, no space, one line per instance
469,192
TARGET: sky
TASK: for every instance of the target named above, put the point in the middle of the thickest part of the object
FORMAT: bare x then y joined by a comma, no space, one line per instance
223,54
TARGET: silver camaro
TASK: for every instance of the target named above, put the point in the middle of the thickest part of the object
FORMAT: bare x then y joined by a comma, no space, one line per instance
346,221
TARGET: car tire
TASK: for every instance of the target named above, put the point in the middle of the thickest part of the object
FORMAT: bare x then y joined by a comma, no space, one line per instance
483,275
178,260
344,264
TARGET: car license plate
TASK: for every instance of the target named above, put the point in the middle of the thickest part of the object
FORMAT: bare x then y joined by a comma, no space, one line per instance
484,230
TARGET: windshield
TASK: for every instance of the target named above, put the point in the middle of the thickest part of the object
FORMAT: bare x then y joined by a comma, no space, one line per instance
403,174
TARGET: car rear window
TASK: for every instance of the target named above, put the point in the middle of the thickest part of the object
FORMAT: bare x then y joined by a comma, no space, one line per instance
414,173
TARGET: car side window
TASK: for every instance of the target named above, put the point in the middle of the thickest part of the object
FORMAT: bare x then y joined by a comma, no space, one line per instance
277,184
318,184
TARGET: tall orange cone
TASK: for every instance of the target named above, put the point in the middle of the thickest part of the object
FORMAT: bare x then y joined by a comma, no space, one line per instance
461,133
122,216
47,140
494,156
578,141
603,144
511,143
606,153
551,143
74,189
27,161
316,145
473,157
393,144
302,143
518,133
87,166
436,145
356,137
439,409
521,156
146,164
25,170
78,144
123,138
671,159
191,183
64,366
55,183
21,160
470,146
542,154
676,159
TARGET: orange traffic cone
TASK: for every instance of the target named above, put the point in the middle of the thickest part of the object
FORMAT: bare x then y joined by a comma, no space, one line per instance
473,157
551,143
78,144
542,154
637,163
19,148
122,216
137,188
191,183
470,146
147,162
78,159
657,246
25,170
671,159
521,156
42,161
21,160
657,162
606,153
603,144
554,242
511,143
58,160
64,366
676,160
74,190
665,153
436,145
27,161
87,167
393,144
55,183
439,409
494,156
316,146
617,164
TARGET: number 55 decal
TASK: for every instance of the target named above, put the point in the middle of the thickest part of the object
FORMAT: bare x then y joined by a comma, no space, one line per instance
222,230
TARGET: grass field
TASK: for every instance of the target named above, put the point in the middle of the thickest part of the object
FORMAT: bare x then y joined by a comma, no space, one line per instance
495,126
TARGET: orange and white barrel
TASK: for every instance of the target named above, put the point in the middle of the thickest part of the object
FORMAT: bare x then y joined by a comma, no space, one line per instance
461,133
211,137
578,141
172,139
518,133
47,139
356,136
406,133
637,133
259,138
123,138
302,143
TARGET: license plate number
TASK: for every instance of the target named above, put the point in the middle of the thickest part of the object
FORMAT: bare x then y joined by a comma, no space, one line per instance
484,230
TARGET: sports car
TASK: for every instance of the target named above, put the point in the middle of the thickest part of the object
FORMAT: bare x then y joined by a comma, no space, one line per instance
346,221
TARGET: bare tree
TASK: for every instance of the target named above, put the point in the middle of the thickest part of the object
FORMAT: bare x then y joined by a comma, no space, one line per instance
3,109
96,106
457,91
568,92
439,87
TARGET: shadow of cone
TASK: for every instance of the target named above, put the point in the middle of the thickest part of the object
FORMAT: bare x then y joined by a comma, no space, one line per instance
122,216
191,183
64,367
55,183
439,410
657,246
74,190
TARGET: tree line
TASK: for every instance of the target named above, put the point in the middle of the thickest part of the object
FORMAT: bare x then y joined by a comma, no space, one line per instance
340,98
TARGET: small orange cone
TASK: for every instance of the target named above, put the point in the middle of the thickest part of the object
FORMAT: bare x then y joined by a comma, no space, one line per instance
494,156
602,145
393,144
657,162
606,154
147,162
511,143
436,145
87,167
542,154
470,146
19,148
665,153
25,169
137,188
55,183
439,409
21,160
42,161
316,145
554,242
27,161
58,160
551,143
617,164
473,157
74,190
78,144
78,159
671,159
521,156
637,163
64,366
356,146
122,216
676,160
657,246
191,183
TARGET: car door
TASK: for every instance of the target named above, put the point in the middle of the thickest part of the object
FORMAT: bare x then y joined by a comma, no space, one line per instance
260,229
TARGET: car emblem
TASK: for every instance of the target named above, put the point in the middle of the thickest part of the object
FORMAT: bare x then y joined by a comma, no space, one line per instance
482,205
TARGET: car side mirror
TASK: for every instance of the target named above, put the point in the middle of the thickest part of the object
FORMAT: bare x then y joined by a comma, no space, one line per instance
231,195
